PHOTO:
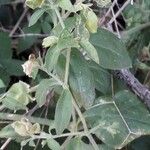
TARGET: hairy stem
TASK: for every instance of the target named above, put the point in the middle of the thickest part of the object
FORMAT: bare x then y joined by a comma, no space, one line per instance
67,66
85,126
16,117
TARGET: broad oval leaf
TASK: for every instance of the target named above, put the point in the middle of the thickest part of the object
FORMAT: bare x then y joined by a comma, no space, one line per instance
17,97
52,144
34,3
5,46
14,69
13,104
102,78
66,41
2,84
120,121
44,87
78,144
90,49
66,4
35,16
111,50
91,21
63,111
8,132
81,80
51,58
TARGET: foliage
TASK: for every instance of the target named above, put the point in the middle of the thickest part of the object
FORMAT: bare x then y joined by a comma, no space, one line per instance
68,98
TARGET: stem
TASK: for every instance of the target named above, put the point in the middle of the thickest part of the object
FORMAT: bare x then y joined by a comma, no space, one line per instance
85,126
136,29
53,76
33,89
59,17
5,144
16,117
67,66
57,13
44,135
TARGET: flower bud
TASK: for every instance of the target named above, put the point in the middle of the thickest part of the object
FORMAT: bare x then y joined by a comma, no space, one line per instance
34,3
49,41
91,21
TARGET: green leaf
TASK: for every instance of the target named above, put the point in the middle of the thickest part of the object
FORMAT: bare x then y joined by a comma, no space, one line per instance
78,144
120,121
111,50
2,85
52,144
90,49
35,16
13,104
49,41
44,87
8,132
91,21
105,147
4,77
65,41
27,41
51,58
5,46
17,96
34,3
70,23
63,111
66,4
14,69
102,78
81,80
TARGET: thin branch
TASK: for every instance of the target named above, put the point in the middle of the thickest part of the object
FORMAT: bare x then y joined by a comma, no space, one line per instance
29,34
18,22
120,10
5,144
16,117
140,90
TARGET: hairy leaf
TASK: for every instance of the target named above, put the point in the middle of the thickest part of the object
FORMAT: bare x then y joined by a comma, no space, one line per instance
120,121
63,111
35,16
44,87
52,144
112,52
81,80
102,78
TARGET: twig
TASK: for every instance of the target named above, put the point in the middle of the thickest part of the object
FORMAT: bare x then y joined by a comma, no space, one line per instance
136,29
101,21
18,22
85,126
119,11
140,90
119,36
15,117
30,34
5,144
